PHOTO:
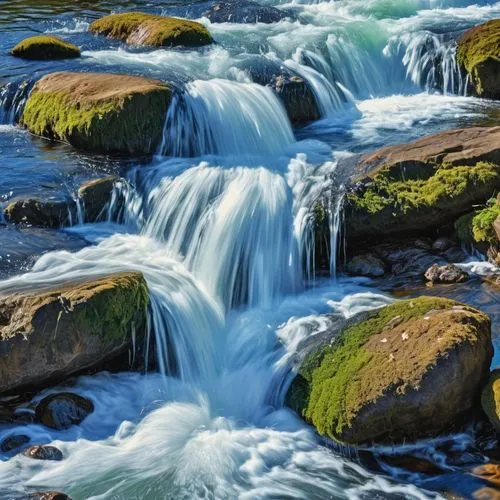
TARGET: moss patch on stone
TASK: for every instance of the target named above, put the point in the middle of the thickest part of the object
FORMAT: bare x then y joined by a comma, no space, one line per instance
490,399
99,112
477,227
45,47
137,28
336,381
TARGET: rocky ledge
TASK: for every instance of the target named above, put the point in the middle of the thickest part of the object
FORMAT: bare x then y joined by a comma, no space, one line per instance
402,372
48,335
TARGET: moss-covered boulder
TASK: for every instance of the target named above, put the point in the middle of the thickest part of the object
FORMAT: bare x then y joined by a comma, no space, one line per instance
47,335
402,372
137,28
45,47
41,213
418,187
98,111
478,53
490,399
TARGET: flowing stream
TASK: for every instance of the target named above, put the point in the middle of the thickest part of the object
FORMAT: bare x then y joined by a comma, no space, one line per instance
219,221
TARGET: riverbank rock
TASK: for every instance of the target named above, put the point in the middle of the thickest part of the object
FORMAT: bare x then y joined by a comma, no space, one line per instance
244,11
47,335
418,187
14,442
366,265
99,112
294,92
448,273
45,47
402,372
41,213
138,28
44,453
478,54
490,399
62,410
96,196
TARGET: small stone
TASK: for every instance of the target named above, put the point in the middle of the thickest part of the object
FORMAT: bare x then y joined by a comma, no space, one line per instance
13,442
442,244
62,410
448,273
49,495
44,453
366,265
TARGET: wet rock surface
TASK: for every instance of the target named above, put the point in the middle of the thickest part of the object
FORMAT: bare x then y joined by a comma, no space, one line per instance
44,453
62,410
14,442
95,195
445,274
244,11
41,213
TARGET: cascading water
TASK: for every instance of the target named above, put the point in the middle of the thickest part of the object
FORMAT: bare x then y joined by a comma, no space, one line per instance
13,97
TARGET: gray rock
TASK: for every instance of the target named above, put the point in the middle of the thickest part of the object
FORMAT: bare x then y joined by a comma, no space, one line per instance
448,273
13,442
366,265
44,453
62,410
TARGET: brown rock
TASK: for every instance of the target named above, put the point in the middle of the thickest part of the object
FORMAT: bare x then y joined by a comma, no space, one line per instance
49,495
44,453
42,213
445,274
95,196
62,410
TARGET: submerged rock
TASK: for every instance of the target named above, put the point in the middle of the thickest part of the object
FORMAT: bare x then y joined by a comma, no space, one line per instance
49,495
490,399
99,112
366,265
138,28
45,47
47,335
13,442
44,453
62,410
423,185
445,274
244,11
41,213
95,196
478,54
398,373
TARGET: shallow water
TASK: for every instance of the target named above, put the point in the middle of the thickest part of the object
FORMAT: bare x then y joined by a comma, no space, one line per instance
218,221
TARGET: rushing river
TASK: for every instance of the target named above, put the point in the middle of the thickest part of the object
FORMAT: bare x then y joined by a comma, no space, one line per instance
218,223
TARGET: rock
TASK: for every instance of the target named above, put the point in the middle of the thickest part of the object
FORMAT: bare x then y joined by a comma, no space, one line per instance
47,335
45,47
49,495
366,265
295,92
402,372
35,212
490,399
44,453
445,274
413,464
442,244
13,442
478,53
418,187
488,472
62,410
95,196
487,494
138,28
99,112
244,11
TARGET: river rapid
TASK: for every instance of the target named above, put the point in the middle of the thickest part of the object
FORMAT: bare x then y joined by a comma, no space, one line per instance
218,222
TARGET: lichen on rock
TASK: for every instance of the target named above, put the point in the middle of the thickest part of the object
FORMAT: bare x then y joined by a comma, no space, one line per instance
45,47
138,28
490,399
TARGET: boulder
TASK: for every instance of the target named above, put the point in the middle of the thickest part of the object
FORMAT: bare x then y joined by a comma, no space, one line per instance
49,334
44,453
448,273
13,442
244,11
49,495
99,112
490,399
41,213
478,54
62,410
95,196
45,47
421,186
295,92
138,28
366,265
402,372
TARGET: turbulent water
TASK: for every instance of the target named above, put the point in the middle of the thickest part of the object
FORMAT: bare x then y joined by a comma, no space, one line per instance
219,223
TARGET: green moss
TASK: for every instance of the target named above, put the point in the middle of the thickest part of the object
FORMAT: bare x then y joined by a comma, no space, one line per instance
482,224
144,29
490,399
463,228
328,392
45,47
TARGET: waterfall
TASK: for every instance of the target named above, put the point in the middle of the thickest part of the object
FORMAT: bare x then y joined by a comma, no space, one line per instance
13,97
222,117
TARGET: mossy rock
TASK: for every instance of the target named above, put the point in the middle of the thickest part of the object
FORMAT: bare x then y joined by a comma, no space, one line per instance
45,47
41,213
48,335
478,53
404,371
137,28
490,399
98,111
